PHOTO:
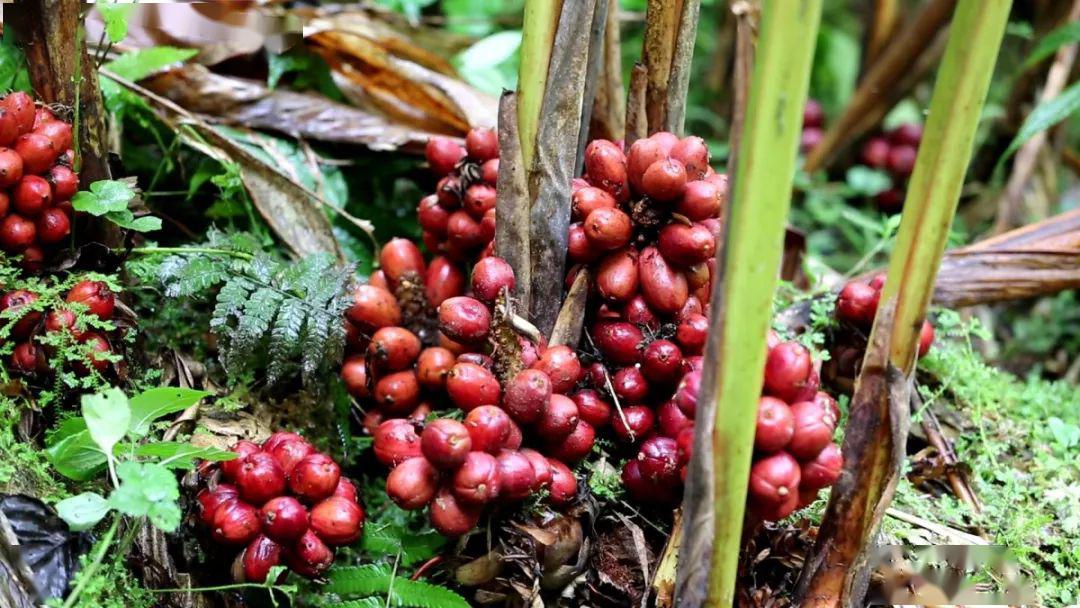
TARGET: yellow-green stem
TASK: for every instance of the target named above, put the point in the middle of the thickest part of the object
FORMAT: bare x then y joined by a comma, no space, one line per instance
540,22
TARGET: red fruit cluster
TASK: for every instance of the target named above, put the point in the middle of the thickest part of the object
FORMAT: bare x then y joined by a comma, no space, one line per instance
283,501
895,153
857,304
29,356
36,180
813,126
458,220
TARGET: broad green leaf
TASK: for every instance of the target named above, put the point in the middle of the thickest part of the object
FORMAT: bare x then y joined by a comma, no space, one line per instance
146,223
105,196
107,417
490,64
865,181
138,64
82,512
150,490
76,456
115,16
1044,116
181,455
1050,43
13,72
150,405
836,68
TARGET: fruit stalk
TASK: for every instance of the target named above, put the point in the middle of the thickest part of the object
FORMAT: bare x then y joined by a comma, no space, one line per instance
874,443
715,498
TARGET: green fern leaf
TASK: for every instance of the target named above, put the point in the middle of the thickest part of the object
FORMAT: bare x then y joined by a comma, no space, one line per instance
367,602
378,579
185,275
284,347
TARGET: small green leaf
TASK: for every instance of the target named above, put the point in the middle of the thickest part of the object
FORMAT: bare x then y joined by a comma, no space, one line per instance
115,16
182,455
150,490
73,453
13,73
140,63
82,512
146,223
107,417
1050,43
865,181
105,196
150,405
1044,116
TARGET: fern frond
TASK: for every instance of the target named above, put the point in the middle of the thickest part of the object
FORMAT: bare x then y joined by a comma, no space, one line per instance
184,275
378,579
284,347
367,602
414,547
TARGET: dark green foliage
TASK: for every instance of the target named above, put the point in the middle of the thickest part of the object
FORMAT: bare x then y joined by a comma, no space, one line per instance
382,580
283,317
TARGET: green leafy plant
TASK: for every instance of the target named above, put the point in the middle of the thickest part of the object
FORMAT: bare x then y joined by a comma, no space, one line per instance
281,316
381,581
111,199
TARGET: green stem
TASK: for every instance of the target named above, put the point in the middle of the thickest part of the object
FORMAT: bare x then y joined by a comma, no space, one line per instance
86,575
191,251
540,22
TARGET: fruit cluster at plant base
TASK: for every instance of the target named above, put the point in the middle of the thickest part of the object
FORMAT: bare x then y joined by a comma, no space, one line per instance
858,302
29,357
813,126
893,152
36,180
284,502
458,220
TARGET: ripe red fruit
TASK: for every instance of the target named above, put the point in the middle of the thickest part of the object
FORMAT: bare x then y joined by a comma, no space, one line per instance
478,480
619,341
315,477
661,361
482,144
588,199
890,201
516,476
907,134
635,423
11,302
692,333
337,521
827,403
11,167
443,154
671,420
400,259
451,517
642,154
242,449
288,453
260,478
284,519
470,386
97,297
541,469
813,114
96,348
608,228
579,250
575,446
53,226
463,232
310,556
393,348
443,280
617,276
857,303
209,500
563,487
560,418
515,438
665,180
354,374
776,511
397,393
875,153
685,443
527,395
774,479
686,395
686,245
637,311
235,522
489,277
788,370
561,365
810,138
664,287
396,441
901,161
65,182
823,470
432,216
464,319
813,427
926,337
16,233
57,131
605,167
276,439
37,151
432,366
489,171
259,557
372,308
701,200
693,153
658,460
489,427
445,443
630,385
412,484
642,489
592,408
20,106
33,259
27,358
478,199
775,425
345,489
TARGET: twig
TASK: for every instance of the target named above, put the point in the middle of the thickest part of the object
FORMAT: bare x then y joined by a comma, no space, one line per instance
936,528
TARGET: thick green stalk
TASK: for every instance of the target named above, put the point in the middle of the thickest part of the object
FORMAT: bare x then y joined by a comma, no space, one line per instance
742,303
540,22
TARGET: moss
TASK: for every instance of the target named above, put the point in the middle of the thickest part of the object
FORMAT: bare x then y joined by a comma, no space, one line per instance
24,469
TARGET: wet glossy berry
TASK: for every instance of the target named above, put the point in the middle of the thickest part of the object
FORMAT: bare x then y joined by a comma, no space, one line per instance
470,386
788,370
635,423
775,425
337,521
464,319
575,446
477,482
490,277
857,303
451,517
563,486
396,441
284,519
445,443
393,348
260,478
209,500
658,460
259,557
559,419
315,477
592,408
235,522
310,556
372,308
489,427
561,365
443,154
97,297
774,479
823,470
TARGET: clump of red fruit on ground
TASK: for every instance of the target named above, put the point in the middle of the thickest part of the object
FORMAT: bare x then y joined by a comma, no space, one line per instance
284,503
893,152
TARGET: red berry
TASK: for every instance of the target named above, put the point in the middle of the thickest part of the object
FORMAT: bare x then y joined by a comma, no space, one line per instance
541,468
315,477
810,138
480,359
53,226
10,303
788,370
560,418
477,482
445,443
563,487
337,521
37,151
659,461
443,154
692,333
235,522
57,131
516,476
11,167
685,443
276,439
662,361
478,200
16,233
664,288
27,358
396,441
397,393
97,297
671,420
354,374
637,311
875,153
209,500
482,144
463,232
813,114
489,427
617,275
701,200
527,395
65,182
588,199
242,449
490,276
823,470
288,453
907,134
686,245
20,106
443,280
774,479
432,366
470,386
605,167
310,556
637,425
260,478
400,259
345,489
489,171
432,216
926,337
901,161
412,484
777,511
561,365
515,438
451,517
665,180
464,319
857,303
814,426
642,154
775,425
259,557
693,153
579,250
97,347
630,385
608,228
284,519
373,307
393,348
575,446
618,341
686,395
592,408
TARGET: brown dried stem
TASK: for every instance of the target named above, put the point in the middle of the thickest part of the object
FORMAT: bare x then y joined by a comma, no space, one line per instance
746,13
609,112
512,204
637,122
